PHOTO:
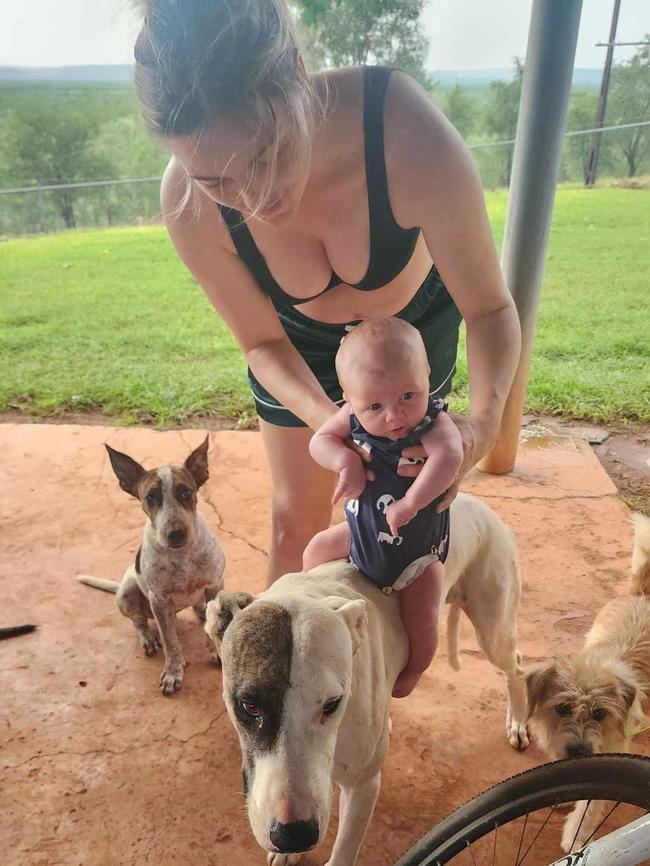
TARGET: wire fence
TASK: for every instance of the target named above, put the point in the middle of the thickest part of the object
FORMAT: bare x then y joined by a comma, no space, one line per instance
135,201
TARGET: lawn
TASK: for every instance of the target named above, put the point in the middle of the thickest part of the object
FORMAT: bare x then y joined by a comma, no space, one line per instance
110,321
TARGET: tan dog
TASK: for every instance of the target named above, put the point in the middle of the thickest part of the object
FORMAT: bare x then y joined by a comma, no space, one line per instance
595,701
308,670
179,563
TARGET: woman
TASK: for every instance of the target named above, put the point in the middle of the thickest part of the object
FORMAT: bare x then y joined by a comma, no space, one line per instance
304,203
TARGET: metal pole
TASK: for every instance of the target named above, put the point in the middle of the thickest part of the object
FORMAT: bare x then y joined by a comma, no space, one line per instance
542,111
592,165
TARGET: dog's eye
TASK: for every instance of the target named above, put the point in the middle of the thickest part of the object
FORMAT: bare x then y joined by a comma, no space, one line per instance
598,714
331,706
564,709
251,710
152,499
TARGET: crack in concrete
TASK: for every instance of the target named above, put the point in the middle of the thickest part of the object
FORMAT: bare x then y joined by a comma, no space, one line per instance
185,442
204,732
154,742
551,499
229,532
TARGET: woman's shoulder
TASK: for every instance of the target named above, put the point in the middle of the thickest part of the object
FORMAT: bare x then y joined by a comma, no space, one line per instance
423,150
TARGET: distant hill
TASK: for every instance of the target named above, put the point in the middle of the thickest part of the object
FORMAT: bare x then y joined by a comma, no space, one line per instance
482,77
116,74
123,74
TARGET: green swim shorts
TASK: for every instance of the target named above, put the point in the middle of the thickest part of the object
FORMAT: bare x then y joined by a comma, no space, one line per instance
431,310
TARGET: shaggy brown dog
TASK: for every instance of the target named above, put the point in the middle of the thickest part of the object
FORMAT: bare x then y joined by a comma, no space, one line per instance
596,700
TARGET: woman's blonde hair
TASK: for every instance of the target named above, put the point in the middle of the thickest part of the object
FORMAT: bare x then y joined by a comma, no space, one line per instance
202,60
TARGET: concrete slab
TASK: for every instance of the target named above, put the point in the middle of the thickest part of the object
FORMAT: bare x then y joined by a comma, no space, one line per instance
98,768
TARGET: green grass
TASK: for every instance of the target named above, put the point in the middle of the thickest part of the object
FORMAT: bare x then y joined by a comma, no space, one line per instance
111,321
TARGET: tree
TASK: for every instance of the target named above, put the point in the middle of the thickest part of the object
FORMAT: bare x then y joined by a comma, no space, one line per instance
501,115
629,102
461,110
582,110
354,32
51,142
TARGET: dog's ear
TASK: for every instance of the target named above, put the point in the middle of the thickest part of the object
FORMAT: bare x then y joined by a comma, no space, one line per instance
127,470
197,462
538,683
355,616
222,610
629,692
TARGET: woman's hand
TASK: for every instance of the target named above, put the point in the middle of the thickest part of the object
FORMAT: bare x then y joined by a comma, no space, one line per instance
477,435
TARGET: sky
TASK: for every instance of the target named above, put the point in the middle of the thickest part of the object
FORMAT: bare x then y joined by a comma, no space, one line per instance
464,34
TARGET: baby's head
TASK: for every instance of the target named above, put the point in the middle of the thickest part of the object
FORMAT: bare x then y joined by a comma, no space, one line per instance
384,372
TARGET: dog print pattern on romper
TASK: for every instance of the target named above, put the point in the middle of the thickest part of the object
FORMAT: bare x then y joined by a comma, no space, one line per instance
392,562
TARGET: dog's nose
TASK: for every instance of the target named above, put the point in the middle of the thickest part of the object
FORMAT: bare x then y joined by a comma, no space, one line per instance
294,837
579,750
177,537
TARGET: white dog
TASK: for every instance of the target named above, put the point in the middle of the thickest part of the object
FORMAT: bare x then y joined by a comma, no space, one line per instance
595,701
308,670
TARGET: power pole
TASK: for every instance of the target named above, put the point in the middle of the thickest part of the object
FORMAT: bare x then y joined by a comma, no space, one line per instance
592,166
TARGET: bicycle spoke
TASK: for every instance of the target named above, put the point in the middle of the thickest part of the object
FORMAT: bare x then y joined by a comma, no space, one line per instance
521,838
494,852
584,815
469,848
607,816
538,834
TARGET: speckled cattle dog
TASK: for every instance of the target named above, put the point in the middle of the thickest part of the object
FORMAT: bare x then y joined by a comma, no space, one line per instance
308,670
179,563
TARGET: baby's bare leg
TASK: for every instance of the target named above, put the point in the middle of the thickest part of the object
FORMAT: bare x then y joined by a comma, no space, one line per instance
326,546
420,603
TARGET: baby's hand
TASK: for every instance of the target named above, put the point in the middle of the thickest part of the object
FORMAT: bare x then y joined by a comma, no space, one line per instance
352,480
399,513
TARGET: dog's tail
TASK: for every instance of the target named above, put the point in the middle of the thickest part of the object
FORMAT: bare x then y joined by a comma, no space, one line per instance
98,583
15,630
641,555
453,627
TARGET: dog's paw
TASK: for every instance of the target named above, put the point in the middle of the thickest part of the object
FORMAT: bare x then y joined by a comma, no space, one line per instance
274,859
517,734
150,642
171,679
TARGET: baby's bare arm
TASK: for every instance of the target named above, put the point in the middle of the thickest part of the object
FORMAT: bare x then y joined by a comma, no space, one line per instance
444,448
327,445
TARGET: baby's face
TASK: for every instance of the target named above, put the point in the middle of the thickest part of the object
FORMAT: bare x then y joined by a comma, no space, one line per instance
389,404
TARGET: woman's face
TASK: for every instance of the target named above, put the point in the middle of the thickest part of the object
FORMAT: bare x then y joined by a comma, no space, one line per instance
229,164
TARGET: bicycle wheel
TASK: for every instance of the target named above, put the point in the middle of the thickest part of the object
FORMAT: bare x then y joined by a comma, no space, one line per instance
622,779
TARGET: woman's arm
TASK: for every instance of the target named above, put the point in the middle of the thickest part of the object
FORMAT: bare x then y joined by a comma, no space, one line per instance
201,239
435,185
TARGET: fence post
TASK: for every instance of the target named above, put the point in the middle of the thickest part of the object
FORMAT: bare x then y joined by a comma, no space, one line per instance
41,211
545,93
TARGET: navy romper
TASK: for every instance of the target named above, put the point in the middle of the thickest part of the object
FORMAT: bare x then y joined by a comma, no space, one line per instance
393,562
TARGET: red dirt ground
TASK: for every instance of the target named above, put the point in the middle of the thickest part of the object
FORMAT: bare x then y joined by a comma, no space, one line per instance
98,768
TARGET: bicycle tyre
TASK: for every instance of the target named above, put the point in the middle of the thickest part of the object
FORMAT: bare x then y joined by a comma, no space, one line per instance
623,778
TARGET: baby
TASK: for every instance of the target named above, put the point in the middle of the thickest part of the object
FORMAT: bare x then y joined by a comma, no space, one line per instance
393,533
